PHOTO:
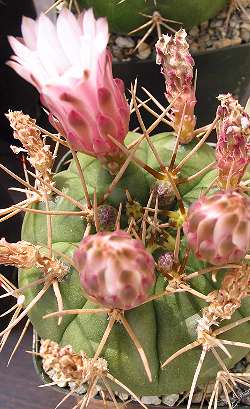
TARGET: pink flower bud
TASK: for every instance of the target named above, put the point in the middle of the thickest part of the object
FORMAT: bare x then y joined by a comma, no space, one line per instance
177,68
233,130
218,227
115,270
72,69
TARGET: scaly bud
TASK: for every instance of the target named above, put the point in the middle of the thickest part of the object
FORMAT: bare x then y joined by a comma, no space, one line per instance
165,193
165,263
218,227
177,67
115,270
233,130
107,216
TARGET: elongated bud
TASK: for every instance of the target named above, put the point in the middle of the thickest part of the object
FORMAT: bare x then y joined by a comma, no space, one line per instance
115,270
233,130
218,227
177,67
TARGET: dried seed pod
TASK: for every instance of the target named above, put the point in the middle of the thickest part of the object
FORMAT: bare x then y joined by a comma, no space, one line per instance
218,227
26,131
115,270
21,254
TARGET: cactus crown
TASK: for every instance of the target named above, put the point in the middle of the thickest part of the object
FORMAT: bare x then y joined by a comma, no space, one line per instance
131,263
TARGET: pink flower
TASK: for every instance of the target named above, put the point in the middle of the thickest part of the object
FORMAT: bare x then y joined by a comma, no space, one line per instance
71,67
177,67
115,270
218,227
233,131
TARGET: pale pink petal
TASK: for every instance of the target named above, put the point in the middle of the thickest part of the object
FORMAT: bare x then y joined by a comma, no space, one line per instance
37,72
29,32
21,50
102,34
69,34
49,48
21,70
89,27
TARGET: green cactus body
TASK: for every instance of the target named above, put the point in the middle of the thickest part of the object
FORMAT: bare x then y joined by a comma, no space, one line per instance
126,16
162,326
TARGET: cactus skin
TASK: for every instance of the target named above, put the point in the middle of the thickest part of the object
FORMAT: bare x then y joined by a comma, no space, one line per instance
162,326
125,17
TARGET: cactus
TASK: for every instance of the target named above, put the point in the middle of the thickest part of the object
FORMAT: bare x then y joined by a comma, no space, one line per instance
87,278
125,16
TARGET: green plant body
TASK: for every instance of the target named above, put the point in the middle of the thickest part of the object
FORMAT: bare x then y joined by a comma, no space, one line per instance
162,326
126,16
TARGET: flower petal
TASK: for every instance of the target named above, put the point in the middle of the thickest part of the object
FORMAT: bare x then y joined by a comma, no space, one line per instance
49,49
29,32
69,34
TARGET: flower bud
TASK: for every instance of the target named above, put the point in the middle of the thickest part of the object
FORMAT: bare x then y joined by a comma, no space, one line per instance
218,227
165,263
115,270
233,131
177,67
107,216
165,193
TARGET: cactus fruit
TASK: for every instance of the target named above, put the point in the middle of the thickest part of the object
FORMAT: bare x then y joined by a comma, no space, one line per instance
126,16
89,283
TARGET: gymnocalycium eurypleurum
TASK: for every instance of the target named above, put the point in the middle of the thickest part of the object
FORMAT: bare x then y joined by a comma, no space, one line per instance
133,264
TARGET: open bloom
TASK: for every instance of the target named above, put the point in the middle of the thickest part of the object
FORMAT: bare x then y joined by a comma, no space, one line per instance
177,67
71,67
233,131
218,227
115,270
